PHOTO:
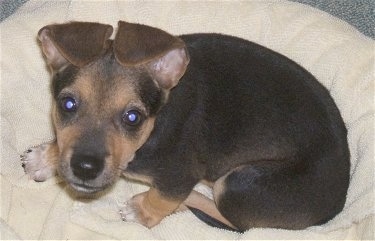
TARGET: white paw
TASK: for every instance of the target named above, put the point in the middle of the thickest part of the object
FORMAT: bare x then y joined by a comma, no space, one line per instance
128,212
138,210
35,163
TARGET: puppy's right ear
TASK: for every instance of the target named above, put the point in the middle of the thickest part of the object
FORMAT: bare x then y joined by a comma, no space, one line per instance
164,55
77,43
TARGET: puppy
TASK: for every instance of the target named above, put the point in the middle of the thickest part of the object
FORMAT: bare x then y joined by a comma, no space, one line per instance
175,111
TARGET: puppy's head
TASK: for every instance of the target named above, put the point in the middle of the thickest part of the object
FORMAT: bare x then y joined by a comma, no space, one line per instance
107,94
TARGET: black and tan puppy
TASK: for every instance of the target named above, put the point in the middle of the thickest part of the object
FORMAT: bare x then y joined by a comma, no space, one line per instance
174,111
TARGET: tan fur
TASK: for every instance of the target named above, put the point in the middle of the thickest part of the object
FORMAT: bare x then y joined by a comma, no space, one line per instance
137,177
149,208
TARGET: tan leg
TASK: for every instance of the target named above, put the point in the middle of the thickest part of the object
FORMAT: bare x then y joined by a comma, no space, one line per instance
148,208
40,162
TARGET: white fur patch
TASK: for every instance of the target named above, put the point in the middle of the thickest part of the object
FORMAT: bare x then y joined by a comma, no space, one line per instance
35,163
128,212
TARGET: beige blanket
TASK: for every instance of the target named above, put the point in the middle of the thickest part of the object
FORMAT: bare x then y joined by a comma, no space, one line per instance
338,55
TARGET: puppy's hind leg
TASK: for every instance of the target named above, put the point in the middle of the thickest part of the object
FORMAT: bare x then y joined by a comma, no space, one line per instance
206,210
270,194
40,162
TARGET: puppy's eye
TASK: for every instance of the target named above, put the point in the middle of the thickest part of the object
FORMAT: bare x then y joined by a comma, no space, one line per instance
68,104
132,117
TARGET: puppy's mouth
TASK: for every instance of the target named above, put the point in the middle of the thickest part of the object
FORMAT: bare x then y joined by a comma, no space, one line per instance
85,188
88,184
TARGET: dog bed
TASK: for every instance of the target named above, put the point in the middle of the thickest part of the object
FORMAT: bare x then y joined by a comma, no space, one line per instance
336,53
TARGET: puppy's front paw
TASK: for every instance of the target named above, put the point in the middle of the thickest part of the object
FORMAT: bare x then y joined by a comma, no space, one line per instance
129,212
136,211
39,162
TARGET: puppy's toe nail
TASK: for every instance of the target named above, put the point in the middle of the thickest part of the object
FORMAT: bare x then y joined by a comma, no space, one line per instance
127,212
29,150
122,215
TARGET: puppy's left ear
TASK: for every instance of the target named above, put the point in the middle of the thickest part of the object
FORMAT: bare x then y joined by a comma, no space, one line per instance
77,43
164,55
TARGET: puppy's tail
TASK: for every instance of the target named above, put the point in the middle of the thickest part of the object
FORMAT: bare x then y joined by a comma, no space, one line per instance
213,222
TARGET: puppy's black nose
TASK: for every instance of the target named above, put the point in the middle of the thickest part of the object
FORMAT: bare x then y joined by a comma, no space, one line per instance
86,167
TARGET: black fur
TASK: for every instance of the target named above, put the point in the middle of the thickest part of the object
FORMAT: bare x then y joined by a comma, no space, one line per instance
240,105
152,96
210,221
63,79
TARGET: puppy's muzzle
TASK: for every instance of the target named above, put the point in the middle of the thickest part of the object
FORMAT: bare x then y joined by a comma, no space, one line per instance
88,159
86,167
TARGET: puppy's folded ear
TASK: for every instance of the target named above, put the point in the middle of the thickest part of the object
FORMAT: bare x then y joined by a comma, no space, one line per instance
77,43
164,55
